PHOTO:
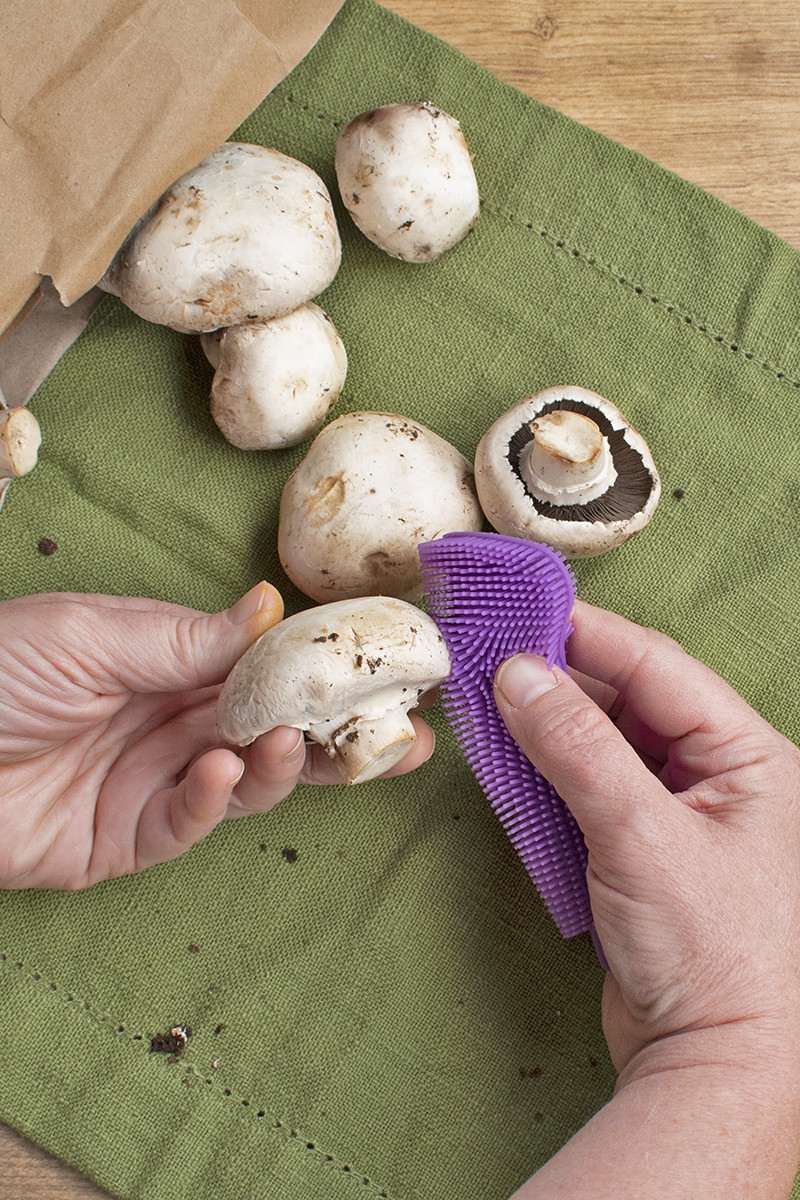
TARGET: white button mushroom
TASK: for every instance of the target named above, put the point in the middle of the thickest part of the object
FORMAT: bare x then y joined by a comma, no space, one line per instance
347,673
564,467
372,486
275,381
247,235
405,175
20,438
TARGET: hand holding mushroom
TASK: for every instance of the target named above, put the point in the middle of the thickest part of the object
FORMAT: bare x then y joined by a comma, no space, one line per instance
347,673
110,755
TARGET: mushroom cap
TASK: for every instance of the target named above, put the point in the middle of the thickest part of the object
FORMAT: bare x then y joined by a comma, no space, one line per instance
20,439
275,381
372,486
405,175
247,235
523,497
346,673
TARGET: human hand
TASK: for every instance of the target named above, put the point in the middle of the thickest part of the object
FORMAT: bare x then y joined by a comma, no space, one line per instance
110,759
688,801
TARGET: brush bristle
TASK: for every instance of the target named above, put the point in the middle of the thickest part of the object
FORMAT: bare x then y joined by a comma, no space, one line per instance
494,596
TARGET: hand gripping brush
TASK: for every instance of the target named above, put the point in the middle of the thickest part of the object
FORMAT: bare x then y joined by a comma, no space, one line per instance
494,596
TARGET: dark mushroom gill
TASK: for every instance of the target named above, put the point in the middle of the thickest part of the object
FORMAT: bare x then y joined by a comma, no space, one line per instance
624,499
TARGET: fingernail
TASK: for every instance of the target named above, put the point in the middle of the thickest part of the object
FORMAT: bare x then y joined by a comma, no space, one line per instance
523,678
297,752
259,598
239,775
431,751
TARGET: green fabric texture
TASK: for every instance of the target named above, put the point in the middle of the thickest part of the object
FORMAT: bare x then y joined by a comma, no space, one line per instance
390,1011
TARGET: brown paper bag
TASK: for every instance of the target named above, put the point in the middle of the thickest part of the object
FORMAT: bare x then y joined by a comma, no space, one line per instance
105,102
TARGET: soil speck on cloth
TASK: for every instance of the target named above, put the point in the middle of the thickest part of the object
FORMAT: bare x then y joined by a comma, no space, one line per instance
171,1043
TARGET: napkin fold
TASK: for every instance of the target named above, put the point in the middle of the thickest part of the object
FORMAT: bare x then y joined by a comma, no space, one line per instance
378,1002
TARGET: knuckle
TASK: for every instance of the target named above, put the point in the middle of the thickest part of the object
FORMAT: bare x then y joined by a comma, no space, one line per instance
647,657
575,729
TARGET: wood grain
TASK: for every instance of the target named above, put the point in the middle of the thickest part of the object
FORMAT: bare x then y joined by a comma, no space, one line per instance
710,90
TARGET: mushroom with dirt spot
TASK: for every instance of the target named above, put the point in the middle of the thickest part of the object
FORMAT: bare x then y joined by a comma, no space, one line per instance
405,175
565,467
20,438
275,381
372,486
346,673
247,235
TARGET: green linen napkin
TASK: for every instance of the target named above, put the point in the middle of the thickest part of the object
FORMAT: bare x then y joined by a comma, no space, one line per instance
379,1004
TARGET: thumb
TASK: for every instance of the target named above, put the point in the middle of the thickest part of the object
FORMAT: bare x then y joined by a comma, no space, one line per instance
166,648
574,745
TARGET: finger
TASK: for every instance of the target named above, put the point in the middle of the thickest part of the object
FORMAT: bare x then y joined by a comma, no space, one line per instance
320,768
651,749
665,692
154,763
279,760
603,695
155,650
273,764
100,600
176,818
576,747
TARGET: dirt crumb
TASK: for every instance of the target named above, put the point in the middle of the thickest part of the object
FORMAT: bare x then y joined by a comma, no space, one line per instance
171,1043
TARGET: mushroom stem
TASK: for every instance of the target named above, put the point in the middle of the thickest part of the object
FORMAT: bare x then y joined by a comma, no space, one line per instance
567,459
20,438
366,747
347,673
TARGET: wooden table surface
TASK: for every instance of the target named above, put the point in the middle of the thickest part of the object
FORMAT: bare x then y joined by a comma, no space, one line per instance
708,89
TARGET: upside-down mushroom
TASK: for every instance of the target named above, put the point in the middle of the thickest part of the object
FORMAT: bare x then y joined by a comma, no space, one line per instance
565,467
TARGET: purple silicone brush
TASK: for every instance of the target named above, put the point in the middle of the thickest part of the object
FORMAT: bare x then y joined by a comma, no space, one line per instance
493,596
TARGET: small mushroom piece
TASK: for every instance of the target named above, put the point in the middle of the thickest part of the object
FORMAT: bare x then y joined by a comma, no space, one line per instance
346,673
372,486
405,175
20,438
564,467
275,382
247,235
